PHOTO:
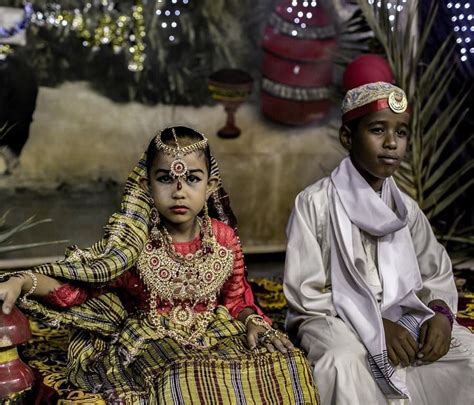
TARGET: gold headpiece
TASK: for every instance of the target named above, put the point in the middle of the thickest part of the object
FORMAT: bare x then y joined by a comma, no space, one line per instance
178,167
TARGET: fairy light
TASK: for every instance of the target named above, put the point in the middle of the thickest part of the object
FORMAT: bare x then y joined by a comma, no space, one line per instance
300,13
169,17
392,8
121,32
462,25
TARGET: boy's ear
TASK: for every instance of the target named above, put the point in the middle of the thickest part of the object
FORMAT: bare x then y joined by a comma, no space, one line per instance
145,184
345,137
212,184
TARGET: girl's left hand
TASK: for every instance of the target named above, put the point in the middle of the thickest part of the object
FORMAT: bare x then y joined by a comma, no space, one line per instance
435,338
270,338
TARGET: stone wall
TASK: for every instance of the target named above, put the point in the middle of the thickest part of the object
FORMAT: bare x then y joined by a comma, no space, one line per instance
79,137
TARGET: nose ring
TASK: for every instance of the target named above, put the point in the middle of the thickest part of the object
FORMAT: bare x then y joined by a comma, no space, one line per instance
179,185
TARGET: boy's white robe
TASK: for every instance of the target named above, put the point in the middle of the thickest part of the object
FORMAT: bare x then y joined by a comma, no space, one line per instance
336,353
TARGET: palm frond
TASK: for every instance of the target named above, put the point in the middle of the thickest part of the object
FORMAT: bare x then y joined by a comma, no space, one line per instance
8,232
11,248
431,172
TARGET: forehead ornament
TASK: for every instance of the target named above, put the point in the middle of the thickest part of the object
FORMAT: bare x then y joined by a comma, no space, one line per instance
178,167
397,102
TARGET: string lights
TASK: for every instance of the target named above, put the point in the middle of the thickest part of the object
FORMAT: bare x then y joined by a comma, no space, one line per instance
169,16
107,28
98,24
297,20
463,27
393,8
300,12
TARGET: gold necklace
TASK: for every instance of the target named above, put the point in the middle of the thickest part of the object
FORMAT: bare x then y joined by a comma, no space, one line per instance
184,281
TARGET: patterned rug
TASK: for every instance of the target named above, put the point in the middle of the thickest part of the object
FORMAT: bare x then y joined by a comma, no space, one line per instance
270,297
46,352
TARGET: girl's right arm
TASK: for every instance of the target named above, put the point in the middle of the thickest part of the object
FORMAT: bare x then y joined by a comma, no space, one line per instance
22,283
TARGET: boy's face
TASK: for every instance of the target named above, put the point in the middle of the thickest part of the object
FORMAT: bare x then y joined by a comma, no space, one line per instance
378,145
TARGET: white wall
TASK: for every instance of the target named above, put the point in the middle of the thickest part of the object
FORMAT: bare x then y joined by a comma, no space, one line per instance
80,137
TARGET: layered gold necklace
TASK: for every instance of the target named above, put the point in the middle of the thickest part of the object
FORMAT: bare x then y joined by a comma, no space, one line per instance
184,281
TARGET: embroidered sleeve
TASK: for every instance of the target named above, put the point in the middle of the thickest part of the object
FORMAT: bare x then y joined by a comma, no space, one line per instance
69,295
66,296
236,294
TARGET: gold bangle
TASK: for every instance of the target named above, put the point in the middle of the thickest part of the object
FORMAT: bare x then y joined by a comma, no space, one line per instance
34,284
256,320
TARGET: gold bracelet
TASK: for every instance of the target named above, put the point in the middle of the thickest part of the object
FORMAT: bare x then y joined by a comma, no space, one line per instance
257,320
34,284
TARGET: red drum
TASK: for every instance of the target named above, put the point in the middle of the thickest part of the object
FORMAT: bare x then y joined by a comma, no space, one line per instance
299,45
15,376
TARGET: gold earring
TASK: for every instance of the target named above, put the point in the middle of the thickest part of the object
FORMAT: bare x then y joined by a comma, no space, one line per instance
154,221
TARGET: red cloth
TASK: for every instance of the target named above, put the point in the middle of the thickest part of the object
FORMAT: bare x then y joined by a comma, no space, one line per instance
236,293
365,69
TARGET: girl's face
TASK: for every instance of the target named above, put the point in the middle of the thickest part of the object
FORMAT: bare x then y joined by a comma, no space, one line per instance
180,201
378,145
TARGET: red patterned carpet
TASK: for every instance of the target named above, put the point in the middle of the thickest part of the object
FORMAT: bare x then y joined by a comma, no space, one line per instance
46,353
269,295
465,284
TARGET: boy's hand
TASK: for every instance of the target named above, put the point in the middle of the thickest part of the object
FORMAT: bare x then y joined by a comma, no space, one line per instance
276,340
401,347
435,338
10,290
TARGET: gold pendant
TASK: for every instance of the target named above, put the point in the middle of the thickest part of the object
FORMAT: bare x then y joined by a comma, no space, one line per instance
183,316
397,102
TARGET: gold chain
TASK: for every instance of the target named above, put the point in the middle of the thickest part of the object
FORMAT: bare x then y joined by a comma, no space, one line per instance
180,151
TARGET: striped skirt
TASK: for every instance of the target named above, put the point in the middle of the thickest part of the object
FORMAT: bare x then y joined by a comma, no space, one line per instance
137,368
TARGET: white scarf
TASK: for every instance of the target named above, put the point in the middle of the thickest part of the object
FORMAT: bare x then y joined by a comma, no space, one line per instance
353,203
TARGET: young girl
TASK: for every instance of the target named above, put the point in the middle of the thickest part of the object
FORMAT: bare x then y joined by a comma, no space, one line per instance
160,308
370,290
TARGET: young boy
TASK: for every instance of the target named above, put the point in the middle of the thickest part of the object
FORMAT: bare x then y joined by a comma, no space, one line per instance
370,291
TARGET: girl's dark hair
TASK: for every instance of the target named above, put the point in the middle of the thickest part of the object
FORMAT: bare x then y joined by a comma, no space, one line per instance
186,136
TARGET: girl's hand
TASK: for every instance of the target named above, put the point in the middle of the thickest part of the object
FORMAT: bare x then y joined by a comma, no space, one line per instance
435,338
401,347
268,337
10,290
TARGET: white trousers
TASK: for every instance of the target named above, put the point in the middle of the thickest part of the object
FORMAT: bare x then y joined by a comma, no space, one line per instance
342,373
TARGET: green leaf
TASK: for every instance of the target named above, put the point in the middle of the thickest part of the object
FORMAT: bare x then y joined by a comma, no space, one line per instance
3,218
445,186
441,206
440,171
4,236
5,249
